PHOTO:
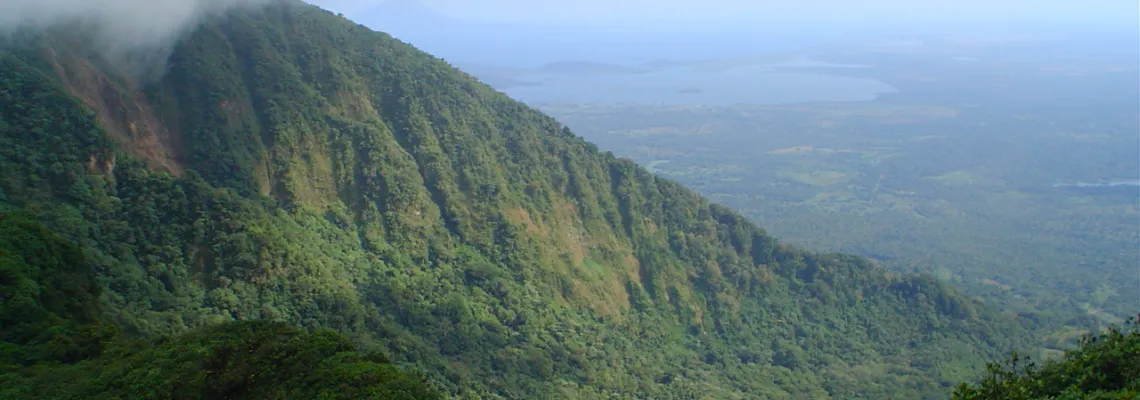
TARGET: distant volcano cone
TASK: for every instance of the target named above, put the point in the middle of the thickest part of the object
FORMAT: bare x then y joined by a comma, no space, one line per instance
409,18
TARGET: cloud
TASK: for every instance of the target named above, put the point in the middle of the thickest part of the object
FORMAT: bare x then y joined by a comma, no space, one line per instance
140,32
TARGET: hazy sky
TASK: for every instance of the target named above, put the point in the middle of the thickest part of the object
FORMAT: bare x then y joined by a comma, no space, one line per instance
1116,11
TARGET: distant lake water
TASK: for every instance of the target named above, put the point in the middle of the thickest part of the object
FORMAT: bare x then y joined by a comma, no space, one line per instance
1108,184
1129,188
752,84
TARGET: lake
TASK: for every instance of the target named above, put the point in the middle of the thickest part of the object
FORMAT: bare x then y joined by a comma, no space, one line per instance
1117,183
1128,188
750,84
512,58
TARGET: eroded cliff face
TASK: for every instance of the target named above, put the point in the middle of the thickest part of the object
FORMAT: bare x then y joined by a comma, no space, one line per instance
122,108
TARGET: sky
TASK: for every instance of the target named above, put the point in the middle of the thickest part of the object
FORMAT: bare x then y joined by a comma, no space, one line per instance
580,11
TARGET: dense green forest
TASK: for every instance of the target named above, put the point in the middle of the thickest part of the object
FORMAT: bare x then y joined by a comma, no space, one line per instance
292,166
57,344
1104,366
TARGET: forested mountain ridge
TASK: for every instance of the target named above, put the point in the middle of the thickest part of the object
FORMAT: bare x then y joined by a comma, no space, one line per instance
291,165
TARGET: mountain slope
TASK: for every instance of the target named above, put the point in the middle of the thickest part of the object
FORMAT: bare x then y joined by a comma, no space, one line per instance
292,165
55,344
1106,365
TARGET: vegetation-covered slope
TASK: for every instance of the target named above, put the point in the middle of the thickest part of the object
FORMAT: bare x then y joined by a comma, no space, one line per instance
957,175
1105,366
54,343
294,166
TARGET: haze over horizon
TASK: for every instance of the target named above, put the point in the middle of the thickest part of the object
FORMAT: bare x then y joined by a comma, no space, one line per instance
1101,12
